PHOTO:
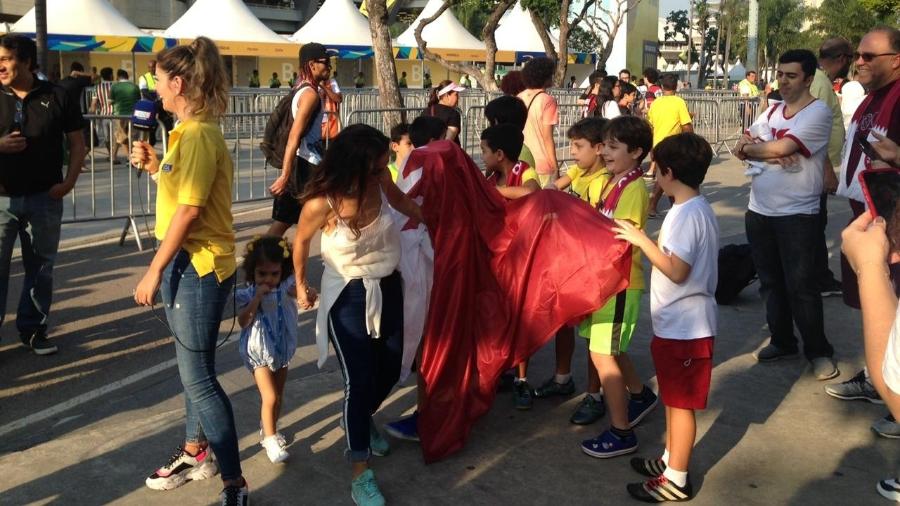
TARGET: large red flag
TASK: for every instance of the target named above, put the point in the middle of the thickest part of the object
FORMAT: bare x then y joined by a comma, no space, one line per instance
507,276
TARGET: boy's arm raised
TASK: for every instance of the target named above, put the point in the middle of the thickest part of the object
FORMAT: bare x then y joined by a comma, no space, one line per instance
673,267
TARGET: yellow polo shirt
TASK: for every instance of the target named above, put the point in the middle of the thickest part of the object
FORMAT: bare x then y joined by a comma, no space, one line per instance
197,171
581,181
633,206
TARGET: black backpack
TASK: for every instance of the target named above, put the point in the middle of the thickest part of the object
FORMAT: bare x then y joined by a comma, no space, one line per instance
736,272
278,128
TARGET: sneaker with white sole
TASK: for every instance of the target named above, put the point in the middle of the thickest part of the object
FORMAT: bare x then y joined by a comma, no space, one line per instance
660,489
856,388
887,427
889,489
771,353
824,368
182,468
274,450
281,439
608,445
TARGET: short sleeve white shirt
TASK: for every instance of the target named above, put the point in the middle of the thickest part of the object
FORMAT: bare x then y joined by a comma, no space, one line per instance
687,310
611,110
794,190
852,94
891,367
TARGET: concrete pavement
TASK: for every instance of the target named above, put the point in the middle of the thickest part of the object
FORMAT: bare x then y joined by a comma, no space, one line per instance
87,425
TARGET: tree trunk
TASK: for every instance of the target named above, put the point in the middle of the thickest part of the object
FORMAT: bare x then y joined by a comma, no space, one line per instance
716,62
727,54
703,59
40,29
561,55
484,77
690,39
388,91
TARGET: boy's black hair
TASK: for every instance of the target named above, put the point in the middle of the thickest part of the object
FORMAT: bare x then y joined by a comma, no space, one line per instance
687,155
632,131
804,57
538,72
504,137
121,74
425,129
106,73
269,249
651,75
668,82
398,131
590,129
76,66
506,109
23,47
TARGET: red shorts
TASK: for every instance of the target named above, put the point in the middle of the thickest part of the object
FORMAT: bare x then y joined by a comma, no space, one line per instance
683,371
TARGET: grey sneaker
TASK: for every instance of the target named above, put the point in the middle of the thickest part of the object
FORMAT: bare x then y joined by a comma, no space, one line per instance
856,388
771,353
887,427
824,368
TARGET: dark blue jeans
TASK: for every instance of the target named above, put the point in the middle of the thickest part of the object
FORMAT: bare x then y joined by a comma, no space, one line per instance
371,367
35,220
785,253
194,307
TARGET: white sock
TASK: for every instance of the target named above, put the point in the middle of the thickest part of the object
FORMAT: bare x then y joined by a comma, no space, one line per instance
597,396
665,457
520,380
562,379
866,373
677,477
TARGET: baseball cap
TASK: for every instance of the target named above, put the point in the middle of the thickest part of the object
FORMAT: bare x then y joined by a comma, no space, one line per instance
453,86
312,51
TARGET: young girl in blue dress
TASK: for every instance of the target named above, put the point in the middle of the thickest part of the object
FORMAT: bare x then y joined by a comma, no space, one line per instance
268,319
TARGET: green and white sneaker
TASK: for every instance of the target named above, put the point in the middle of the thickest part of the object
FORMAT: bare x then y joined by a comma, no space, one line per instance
364,490
377,443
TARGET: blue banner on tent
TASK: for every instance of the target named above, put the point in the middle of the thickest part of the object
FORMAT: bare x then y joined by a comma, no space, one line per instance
582,58
107,43
350,52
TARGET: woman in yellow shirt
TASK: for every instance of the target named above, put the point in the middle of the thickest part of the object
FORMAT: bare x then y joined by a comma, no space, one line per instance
194,265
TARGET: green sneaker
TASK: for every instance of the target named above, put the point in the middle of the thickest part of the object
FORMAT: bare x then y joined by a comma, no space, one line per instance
588,411
364,491
377,443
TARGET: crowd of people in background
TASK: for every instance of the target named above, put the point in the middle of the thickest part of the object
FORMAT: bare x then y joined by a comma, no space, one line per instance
802,146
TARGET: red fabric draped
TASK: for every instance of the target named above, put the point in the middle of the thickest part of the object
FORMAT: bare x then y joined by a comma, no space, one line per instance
507,276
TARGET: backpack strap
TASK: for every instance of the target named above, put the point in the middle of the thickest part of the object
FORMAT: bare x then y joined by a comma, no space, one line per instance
528,109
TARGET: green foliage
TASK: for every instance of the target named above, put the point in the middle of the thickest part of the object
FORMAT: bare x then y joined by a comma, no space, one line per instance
851,19
779,25
677,23
548,10
584,41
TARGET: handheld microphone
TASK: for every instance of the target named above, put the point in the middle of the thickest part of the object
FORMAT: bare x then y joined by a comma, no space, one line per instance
143,123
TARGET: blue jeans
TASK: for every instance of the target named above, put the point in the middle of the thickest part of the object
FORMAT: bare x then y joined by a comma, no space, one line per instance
35,219
194,307
371,367
785,252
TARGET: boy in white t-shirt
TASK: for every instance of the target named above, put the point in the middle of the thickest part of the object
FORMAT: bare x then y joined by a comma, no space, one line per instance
682,308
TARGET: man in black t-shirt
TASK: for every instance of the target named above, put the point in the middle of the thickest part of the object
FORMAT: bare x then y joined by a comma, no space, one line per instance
75,83
35,118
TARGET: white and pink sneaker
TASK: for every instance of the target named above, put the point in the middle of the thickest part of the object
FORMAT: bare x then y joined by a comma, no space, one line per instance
183,467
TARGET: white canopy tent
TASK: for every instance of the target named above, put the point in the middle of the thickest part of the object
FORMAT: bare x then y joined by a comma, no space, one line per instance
737,72
222,20
518,33
80,17
337,22
446,32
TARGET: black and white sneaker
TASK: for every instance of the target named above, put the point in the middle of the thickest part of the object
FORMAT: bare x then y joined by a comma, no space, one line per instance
889,489
182,468
660,489
831,287
38,343
236,496
856,388
650,468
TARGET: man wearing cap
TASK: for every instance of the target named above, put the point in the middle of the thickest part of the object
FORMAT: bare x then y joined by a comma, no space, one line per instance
442,105
303,150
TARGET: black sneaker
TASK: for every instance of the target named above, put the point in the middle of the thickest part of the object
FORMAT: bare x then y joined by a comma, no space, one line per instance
236,496
588,411
523,395
651,468
551,387
660,489
38,343
831,287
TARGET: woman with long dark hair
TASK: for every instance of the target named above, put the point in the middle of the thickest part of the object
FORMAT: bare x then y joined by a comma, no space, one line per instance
442,104
361,307
607,98
194,265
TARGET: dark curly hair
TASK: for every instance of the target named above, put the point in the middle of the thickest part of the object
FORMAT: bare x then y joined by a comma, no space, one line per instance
350,167
512,83
268,249
538,72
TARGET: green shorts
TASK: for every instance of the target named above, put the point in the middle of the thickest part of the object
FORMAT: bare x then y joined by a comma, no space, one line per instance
610,328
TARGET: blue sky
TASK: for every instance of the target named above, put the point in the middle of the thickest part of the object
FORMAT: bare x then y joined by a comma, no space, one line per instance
667,6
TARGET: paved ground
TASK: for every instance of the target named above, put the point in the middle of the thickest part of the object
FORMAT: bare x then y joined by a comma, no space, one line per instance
87,425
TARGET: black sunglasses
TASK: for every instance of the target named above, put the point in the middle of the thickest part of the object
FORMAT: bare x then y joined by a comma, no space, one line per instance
867,57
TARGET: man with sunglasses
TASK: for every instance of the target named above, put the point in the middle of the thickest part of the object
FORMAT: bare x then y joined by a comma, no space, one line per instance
304,144
35,118
877,60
